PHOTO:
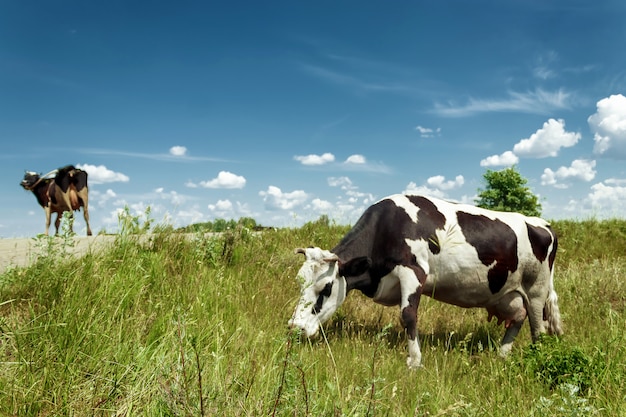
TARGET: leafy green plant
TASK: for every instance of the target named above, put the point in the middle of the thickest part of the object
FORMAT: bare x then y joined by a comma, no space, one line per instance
565,402
555,363
132,224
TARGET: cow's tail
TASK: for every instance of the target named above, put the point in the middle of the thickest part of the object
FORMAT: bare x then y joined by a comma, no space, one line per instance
551,311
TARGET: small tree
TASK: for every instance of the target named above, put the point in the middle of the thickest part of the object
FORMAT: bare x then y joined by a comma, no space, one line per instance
506,190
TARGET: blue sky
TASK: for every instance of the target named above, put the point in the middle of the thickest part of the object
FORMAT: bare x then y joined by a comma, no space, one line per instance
284,111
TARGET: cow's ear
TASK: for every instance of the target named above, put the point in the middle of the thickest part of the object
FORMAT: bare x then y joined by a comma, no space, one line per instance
355,267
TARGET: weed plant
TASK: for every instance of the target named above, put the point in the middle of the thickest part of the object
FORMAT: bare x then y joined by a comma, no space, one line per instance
170,324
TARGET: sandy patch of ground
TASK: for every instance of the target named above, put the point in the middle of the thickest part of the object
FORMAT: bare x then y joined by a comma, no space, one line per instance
21,252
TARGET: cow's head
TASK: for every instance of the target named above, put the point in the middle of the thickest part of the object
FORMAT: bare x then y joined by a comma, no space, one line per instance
30,179
323,287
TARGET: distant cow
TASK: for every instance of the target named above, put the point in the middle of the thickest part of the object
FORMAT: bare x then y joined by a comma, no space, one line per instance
408,245
67,191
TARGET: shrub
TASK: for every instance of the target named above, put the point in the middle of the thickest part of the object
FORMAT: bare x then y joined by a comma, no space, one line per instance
555,363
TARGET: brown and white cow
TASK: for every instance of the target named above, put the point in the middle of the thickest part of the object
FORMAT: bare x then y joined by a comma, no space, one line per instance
67,191
406,246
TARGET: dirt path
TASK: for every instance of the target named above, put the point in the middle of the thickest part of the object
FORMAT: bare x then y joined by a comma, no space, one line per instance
20,252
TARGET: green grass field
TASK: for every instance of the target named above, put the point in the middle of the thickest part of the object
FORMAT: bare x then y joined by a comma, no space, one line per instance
173,325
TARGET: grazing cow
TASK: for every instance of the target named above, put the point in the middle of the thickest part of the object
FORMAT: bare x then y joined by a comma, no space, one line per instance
408,245
67,191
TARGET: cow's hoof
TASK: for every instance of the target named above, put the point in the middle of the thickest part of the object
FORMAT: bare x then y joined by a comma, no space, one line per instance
414,363
505,350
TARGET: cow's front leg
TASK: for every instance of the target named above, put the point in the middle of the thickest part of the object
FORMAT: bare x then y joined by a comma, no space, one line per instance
411,279
48,219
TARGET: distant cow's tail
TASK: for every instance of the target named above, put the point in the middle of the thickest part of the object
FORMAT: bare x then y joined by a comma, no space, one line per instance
551,311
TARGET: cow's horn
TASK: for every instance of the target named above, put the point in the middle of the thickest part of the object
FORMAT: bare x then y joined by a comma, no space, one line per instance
333,258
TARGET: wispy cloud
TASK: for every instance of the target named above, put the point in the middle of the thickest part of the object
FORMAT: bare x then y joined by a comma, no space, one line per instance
357,83
537,102
170,156
427,132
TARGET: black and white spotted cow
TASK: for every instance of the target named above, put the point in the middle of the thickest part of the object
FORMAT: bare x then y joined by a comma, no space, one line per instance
61,190
408,245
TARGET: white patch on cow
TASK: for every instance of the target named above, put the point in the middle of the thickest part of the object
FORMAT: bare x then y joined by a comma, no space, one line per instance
419,248
319,269
414,360
404,203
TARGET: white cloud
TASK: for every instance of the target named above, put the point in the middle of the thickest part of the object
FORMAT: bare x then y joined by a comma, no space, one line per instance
173,197
275,199
178,151
223,208
315,159
538,102
580,169
226,209
508,158
189,216
616,181
609,126
225,179
321,206
547,141
608,199
100,174
344,182
413,188
356,159
439,182
435,186
427,132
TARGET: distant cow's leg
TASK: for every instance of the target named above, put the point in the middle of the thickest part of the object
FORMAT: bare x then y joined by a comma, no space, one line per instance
57,223
411,287
87,221
83,197
48,218
86,215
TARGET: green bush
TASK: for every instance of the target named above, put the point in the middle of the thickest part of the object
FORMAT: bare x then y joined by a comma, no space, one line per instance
554,363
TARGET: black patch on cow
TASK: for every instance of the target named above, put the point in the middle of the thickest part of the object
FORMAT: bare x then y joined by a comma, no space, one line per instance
540,240
380,234
355,267
69,175
326,291
495,242
554,247
409,315
52,194
429,219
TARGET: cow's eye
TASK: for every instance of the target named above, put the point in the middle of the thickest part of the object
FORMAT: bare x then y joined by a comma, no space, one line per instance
327,290
320,299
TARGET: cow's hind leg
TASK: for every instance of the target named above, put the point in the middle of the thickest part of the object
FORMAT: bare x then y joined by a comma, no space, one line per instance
411,280
535,317
57,223
86,215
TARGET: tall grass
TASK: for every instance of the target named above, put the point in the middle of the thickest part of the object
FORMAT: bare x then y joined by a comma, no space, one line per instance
166,324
